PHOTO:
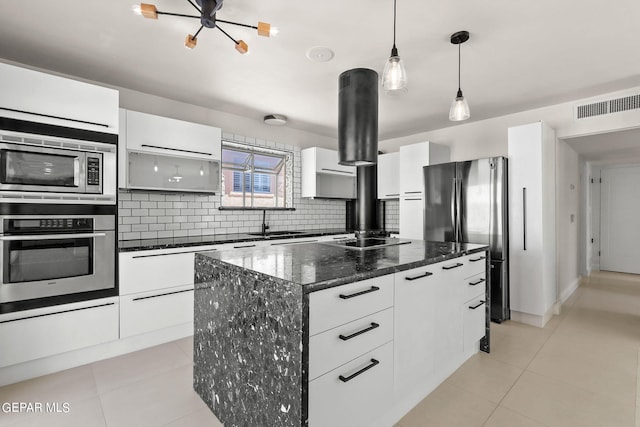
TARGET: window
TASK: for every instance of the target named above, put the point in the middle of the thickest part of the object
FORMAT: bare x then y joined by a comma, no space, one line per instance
256,177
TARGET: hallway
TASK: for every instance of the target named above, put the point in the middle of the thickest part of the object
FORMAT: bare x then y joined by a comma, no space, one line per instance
580,370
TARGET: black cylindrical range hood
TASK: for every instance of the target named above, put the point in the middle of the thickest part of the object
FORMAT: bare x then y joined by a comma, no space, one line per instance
358,117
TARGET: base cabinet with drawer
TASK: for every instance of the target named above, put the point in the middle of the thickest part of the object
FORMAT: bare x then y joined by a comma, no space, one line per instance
440,317
156,289
351,353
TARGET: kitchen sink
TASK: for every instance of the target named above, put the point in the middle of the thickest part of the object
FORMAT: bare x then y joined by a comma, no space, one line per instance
275,233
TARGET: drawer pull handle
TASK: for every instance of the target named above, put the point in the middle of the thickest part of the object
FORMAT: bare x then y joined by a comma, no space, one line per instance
360,332
419,276
357,294
373,363
477,282
245,246
473,307
451,267
480,258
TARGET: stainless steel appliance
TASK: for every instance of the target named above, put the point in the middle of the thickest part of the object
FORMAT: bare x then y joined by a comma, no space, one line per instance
40,169
52,255
466,202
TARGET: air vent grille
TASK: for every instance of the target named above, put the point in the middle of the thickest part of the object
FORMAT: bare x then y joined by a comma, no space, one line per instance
600,108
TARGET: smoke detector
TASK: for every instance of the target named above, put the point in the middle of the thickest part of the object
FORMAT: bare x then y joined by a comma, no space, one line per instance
320,54
275,119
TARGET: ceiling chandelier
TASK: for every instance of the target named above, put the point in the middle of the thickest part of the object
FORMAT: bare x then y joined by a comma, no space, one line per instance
207,10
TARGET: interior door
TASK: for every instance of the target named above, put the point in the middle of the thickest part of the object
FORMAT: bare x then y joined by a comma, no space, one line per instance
620,221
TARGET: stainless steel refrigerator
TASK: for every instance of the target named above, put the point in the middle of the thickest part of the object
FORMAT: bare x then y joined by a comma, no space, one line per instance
466,202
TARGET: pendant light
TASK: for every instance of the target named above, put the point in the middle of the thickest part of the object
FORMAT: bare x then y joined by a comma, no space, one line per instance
459,107
394,76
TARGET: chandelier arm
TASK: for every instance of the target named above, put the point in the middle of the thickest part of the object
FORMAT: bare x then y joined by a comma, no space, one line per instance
194,5
226,34
197,32
237,23
177,14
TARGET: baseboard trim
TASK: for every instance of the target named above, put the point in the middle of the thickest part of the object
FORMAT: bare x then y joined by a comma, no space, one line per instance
533,319
566,294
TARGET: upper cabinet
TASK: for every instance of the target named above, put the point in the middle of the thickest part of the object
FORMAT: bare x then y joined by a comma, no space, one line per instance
44,98
324,177
389,176
413,158
159,153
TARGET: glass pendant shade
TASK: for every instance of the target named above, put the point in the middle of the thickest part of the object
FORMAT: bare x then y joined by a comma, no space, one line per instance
394,76
459,108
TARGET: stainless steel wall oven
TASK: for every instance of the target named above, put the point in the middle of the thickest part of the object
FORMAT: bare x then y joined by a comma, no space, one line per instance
57,215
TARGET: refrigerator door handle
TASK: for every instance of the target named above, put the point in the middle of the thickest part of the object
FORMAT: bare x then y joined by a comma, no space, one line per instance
454,220
524,218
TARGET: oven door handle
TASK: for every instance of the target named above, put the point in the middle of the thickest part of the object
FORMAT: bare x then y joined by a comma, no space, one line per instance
52,236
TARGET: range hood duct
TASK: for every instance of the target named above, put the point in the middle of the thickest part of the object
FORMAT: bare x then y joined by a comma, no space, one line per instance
358,117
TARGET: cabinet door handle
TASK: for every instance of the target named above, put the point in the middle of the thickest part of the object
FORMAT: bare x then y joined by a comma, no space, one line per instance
419,276
412,199
177,149
412,192
373,363
524,218
451,267
473,307
360,332
394,194
336,170
357,294
480,258
477,282
245,246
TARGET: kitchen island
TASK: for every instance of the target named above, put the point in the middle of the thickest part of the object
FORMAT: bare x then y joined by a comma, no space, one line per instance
274,326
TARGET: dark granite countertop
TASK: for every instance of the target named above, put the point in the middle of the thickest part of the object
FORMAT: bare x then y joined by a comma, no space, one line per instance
217,239
317,265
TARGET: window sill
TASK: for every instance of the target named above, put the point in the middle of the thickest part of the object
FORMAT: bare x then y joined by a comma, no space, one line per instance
240,208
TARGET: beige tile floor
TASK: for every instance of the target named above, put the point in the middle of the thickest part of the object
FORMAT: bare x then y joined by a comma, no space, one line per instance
580,370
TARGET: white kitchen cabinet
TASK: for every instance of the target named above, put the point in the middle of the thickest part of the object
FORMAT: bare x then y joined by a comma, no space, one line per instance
389,176
154,310
336,306
411,212
432,332
156,289
154,150
532,240
413,158
57,100
351,353
324,177
54,330
354,394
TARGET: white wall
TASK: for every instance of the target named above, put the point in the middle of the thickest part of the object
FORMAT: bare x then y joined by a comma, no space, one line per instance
568,189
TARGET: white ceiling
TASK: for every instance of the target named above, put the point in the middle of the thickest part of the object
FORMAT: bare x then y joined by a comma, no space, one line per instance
521,55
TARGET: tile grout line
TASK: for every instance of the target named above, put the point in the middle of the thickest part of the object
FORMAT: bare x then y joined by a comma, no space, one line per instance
525,369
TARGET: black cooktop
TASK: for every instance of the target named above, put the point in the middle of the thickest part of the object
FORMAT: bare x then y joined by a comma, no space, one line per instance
368,243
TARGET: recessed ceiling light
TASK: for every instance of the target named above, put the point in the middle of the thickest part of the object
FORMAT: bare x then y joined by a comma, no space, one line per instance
275,119
320,54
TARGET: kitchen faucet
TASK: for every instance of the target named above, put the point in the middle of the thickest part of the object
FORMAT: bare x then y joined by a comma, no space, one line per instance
265,227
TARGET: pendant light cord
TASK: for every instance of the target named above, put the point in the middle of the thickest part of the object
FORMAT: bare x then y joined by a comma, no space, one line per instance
459,66
394,23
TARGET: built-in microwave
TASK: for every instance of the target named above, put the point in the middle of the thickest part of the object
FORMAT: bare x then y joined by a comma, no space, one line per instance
24,167
47,169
